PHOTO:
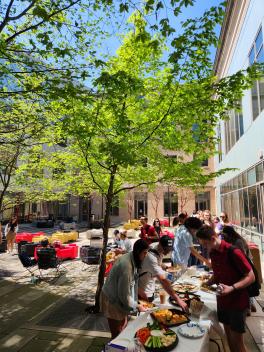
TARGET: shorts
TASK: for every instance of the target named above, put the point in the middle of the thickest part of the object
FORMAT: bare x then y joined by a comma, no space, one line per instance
10,236
109,310
234,318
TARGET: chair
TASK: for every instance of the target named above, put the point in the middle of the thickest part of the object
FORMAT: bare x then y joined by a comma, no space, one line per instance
27,262
47,259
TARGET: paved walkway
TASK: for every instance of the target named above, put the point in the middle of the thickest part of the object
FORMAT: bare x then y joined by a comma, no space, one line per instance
50,317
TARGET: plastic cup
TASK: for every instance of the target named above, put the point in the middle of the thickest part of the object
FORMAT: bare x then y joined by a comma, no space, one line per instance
162,295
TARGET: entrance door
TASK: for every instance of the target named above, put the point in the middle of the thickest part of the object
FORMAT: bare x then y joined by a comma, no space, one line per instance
140,204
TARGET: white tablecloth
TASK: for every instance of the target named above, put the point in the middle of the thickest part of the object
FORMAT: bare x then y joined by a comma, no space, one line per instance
208,318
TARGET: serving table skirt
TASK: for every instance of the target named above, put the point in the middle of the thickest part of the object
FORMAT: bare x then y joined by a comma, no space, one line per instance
208,318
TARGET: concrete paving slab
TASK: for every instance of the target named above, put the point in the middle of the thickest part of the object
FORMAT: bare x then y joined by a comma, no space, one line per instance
16,340
256,327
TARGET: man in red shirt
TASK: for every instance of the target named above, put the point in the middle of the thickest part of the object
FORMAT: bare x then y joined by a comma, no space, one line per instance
147,232
232,277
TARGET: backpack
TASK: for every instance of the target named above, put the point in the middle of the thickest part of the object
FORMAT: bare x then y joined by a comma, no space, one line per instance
254,287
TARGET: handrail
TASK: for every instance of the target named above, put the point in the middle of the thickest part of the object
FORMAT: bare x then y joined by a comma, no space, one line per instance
245,232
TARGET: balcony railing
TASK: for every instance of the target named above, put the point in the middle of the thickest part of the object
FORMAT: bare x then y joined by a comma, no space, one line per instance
251,235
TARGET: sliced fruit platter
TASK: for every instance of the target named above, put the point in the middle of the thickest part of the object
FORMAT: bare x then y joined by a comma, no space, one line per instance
157,338
185,287
170,317
186,297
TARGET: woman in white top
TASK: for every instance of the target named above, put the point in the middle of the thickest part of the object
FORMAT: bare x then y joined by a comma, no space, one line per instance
10,233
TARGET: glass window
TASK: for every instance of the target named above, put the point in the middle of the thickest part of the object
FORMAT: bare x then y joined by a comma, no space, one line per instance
251,176
252,56
241,124
235,208
260,56
261,93
240,181
241,209
260,211
170,203
259,40
259,172
246,208
253,207
255,104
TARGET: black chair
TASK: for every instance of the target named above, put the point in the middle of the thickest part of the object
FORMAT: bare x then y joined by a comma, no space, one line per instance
27,262
29,248
47,259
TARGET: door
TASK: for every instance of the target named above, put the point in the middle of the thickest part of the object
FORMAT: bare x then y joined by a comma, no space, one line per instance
140,204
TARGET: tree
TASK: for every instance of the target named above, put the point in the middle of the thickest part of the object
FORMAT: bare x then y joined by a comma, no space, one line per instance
139,112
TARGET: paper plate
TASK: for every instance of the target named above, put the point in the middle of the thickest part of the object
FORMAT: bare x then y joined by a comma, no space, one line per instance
191,330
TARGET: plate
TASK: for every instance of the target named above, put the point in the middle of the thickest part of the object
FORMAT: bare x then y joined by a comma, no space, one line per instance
170,317
185,287
166,338
191,330
146,304
186,297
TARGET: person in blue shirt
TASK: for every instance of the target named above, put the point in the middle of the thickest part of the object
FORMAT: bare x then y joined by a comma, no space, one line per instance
183,243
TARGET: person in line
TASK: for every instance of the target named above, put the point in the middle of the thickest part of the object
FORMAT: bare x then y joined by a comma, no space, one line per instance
233,299
231,236
147,232
224,221
116,242
182,217
183,243
152,268
207,219
120,291
125,244
157,226
10,233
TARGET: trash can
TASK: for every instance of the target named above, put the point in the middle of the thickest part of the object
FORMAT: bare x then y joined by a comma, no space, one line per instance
254,250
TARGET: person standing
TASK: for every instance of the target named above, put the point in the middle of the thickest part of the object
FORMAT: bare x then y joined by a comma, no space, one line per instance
10,233
183,243
147,232
125,244
157,226
120,291
152,268
232,298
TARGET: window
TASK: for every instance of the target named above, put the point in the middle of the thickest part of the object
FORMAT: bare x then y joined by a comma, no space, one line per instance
204,163
170,203
234,128
114,210
202,201
256,54
219,143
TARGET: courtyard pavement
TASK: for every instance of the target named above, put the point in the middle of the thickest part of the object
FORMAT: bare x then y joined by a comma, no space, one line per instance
50,316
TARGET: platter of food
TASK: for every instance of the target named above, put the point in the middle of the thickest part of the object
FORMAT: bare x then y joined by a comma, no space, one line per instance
191,330
170,317
184,287
186,297
157,338
146,304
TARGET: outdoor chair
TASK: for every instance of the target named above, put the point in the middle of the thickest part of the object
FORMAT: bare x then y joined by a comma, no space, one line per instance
27,262
47,259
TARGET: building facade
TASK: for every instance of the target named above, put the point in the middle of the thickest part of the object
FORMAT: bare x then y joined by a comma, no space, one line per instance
241,192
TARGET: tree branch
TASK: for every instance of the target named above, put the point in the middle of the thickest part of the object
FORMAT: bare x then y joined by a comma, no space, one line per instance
34,26
135,186
5,20
13,18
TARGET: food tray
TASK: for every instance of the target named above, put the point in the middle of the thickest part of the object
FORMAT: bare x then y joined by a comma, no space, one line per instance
186,297
174,311
163,348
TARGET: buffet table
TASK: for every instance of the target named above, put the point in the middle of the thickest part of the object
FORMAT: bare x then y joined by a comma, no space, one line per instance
208,319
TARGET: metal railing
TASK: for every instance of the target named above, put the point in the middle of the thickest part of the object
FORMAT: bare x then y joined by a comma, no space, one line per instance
251,235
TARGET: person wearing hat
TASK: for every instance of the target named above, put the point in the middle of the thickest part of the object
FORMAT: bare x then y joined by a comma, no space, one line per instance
152,268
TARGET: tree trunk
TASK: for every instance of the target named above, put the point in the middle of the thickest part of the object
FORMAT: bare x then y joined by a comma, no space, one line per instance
109,200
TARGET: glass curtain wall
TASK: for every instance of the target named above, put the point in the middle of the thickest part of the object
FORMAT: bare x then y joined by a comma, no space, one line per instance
243,198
